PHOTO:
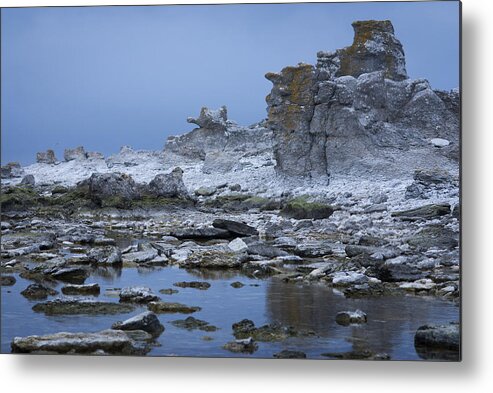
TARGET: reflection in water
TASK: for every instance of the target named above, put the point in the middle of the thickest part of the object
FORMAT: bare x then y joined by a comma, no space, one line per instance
389,318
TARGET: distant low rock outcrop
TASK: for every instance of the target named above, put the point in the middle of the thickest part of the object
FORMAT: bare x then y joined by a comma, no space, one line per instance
46,157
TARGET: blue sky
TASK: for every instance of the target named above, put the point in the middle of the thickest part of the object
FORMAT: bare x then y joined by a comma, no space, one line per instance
104,77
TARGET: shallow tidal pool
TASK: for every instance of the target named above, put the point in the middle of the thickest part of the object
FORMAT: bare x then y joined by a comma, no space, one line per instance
392,320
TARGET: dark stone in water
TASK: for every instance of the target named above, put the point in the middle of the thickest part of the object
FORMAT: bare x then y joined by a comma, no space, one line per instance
88,289
286,354
438,336
247,345
38,292
165,307
365,354
271,332
237,284
192,323
81,306
147,321
168,291
7,281
202,285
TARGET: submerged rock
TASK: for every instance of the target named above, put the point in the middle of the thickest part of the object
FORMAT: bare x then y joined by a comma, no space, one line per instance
146,321
202,285
246,345
166,307
81,306
287,354
192,323
7,280
113,342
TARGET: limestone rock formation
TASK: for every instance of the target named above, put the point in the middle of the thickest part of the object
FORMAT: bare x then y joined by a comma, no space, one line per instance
46,157
75,154
356,112
102,187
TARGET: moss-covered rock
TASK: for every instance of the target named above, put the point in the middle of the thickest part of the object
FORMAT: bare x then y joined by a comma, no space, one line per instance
20,197
300,208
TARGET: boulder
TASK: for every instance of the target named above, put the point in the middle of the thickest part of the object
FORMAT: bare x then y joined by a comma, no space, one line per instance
235,227
38,292
11,170
346,318
300,209
46,157
137,295
169,185
110,189
28,181
146,321
438,336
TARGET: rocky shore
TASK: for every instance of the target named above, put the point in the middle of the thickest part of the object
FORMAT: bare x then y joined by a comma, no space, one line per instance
352,182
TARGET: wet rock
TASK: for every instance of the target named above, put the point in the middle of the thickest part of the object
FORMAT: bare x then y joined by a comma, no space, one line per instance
202,285
87,289
146,321
427,212
246,345
201,233
7,281
166,307
114,342
169,185
300,209
446,337
235,227
168,291
192,323
74,154
213,259
346,318
38,292
81,306
237,284
73,275
137,295
140,256
46,157
270,332
28,181
108,255
287,354
365,354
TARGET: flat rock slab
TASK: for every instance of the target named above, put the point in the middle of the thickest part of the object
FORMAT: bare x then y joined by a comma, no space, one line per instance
87,289
201,233
238,228
81,306
166,307
424,212
108,341
202,285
